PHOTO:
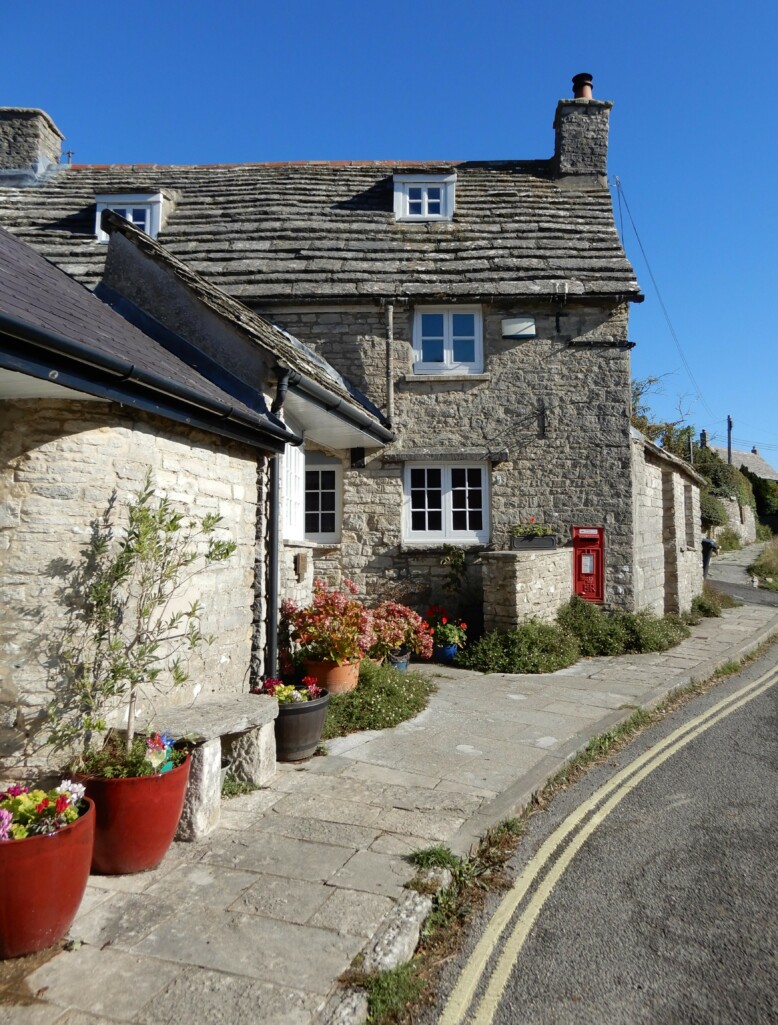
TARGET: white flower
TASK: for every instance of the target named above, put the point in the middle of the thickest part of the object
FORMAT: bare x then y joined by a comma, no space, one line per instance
76,791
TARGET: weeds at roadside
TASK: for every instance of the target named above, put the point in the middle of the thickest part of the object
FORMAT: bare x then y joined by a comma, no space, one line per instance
237,788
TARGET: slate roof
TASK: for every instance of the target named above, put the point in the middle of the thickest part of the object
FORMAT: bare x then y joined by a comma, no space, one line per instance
304,232
753,462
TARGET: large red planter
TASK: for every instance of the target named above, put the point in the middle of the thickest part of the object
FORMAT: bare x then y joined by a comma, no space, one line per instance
42,881
137,819
333,677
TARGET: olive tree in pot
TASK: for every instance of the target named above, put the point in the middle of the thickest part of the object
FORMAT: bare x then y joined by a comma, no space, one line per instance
127,632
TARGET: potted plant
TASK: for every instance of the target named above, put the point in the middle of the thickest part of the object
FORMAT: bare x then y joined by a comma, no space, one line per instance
399,632
333,634
448,634
301,714
45,852
127,632
532,535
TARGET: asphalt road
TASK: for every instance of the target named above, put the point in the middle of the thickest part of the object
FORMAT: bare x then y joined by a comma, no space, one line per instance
668,912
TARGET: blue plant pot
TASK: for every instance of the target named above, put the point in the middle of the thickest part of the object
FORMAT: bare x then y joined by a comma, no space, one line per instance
446,654
399,660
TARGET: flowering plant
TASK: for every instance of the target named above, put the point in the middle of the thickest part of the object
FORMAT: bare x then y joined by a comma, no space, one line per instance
335,627
25,812
399,628
531,529
445,631
287,693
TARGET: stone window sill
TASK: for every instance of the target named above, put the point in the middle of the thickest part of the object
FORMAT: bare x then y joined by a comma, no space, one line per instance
444,378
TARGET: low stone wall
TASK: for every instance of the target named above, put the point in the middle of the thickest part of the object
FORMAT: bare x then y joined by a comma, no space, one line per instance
519,586
60,461
741,519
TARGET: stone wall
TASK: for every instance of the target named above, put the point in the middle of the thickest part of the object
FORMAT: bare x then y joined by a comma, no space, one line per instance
668,533
741,519
60,463
519,586
558,405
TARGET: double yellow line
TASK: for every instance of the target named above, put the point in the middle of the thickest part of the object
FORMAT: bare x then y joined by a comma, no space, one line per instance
595,809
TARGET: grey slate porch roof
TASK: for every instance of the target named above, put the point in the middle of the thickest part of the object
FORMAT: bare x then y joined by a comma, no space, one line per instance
326,232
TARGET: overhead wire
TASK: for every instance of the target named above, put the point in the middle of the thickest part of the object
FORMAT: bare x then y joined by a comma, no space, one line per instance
621,195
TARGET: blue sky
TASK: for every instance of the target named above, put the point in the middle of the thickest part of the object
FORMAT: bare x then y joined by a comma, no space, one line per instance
693,130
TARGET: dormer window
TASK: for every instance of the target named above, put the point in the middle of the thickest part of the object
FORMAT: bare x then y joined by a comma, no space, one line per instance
143,209
424,197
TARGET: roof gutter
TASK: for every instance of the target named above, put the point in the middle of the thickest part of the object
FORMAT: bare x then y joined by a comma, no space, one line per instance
339,407
123,370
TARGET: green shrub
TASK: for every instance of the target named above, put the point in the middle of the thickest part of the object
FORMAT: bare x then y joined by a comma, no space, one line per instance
650,633
765,567
597,632
728,540
764,532
531,648
710,603
384,697
712,511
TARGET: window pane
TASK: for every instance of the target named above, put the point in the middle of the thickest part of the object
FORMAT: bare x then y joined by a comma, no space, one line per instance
328,501
434,478
418,521
328,523
476,520
474,477
414,209
121,211
312,480
459,520
418,499
311,501
458,477
435,521
434,499
432,350
464,351
432,325
418,478
311,523
328,480
433,192
463,325
414,192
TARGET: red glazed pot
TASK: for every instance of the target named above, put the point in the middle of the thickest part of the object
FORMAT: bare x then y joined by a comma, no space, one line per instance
42,881
337,679
137,819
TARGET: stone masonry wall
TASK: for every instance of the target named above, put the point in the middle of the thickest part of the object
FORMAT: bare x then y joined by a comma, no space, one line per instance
59,463
519,586
569,466
649,539
29,141
741,519
683,540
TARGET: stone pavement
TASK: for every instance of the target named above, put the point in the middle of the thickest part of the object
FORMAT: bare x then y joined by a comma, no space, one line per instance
255,923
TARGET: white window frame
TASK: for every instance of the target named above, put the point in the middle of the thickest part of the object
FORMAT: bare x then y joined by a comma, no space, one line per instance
293,498
149,201
447,533
316,462
449,365
404,182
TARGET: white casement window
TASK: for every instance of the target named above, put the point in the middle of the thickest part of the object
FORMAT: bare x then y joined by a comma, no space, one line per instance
323,487
427,197
446,502
143,209
292,498
448,340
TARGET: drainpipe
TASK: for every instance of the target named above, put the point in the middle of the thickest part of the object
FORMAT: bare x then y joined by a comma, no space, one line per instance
274,540
390,363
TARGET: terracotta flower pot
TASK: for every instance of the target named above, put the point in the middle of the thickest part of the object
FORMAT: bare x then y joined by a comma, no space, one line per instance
137,819
298,728
337,679
42,881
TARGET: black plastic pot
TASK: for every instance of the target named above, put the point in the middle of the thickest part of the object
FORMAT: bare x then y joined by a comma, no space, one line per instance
522,542
298,728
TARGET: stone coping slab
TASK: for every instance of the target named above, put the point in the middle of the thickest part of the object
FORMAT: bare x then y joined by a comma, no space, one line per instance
218,717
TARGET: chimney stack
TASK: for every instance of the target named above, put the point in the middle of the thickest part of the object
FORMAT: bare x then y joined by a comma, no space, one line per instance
30,145
581,127
754,451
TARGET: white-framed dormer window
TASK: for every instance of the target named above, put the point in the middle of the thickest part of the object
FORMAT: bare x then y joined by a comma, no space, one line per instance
323,489
143,209
424,197
445,502
448,340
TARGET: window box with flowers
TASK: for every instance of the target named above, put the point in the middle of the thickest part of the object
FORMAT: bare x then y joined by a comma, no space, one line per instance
532,535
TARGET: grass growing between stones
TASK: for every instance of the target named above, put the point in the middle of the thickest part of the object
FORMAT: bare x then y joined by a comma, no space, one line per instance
237,788
383,698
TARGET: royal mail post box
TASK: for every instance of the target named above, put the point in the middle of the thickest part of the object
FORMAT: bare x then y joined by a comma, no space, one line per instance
588,563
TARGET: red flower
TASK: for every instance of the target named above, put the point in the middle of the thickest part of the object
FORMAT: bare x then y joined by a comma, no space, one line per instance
63,802
43,805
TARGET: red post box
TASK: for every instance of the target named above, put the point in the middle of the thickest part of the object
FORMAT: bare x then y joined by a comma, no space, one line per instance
588,563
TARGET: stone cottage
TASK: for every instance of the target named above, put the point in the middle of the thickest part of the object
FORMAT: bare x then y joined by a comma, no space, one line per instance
90,400
482,306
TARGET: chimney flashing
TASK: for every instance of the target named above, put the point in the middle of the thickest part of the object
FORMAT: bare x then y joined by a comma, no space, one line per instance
30,145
